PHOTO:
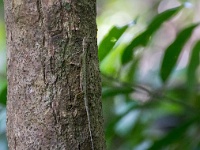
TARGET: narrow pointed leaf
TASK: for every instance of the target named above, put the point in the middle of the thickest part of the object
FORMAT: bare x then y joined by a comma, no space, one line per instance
110,92
110,129
192,66
173,135
110,40
143,38
173,51
130,75
3,96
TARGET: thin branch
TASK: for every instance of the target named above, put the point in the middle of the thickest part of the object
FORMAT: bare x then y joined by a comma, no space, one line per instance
154,95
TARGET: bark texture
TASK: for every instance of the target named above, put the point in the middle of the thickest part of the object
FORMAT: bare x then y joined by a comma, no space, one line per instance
54,85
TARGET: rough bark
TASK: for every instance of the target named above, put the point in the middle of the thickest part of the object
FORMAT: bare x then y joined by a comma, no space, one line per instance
54,85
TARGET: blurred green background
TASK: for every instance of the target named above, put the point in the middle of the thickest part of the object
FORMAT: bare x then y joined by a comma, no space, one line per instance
149,62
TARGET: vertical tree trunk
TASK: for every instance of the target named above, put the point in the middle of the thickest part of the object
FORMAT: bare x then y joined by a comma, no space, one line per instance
54,85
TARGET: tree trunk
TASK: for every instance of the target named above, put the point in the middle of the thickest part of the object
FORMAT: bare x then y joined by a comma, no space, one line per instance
54,87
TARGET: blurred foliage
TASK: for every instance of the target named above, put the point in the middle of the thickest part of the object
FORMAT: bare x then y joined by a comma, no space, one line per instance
149,62
3,81
151,78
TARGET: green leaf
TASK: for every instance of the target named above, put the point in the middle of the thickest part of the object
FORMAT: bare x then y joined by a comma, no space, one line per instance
2,35
173,51
144,37
1,3
110,129
192,66
110,40
173,135
130,76
109,92
3,95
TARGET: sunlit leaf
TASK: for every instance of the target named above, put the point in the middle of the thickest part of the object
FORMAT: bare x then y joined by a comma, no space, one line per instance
143,38
192,67
111,64
2,36
173,51
110,40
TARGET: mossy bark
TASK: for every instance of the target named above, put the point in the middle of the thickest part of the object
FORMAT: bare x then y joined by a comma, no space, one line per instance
54,86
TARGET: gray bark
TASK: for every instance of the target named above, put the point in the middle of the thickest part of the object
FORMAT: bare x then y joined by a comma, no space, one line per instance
54,87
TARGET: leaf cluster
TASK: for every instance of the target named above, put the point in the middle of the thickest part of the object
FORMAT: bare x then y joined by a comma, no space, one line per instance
150,116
